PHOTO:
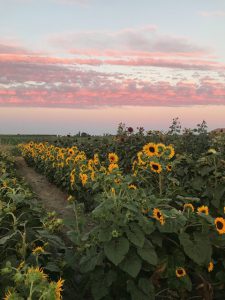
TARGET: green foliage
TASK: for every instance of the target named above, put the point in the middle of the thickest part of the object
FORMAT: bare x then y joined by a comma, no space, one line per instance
147,235
29,241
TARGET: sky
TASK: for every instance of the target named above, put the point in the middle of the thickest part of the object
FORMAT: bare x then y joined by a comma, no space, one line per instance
86,65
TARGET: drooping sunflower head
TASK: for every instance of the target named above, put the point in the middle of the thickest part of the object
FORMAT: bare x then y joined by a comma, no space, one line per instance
35,274
220,225
113,158
150,149
155,167
189,206
203,209
158,215
180,272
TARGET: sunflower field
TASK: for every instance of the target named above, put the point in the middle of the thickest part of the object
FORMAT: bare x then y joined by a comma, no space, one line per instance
157,228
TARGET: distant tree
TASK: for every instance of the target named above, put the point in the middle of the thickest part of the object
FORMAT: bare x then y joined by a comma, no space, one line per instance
84,134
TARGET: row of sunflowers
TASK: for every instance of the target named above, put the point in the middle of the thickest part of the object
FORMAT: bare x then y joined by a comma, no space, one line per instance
72,168
156,233
27,250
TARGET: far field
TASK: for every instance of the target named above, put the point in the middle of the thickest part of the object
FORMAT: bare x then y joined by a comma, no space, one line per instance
138,215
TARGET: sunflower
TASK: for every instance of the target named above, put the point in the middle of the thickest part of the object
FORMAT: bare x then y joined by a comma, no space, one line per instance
132,187
157,214
112,167
83,178
38,250
103,170
155,167
83,168
72,177
180,272
7,296
90,165
169,151
211,151
117,180
220,225
113,158
203,209
35,274
134,165
96,159
140,160
58,289
169,168
150,149
71,152
210,266
160,149
189,206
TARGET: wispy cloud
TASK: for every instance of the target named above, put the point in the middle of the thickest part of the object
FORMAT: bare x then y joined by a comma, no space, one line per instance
217,13
146,39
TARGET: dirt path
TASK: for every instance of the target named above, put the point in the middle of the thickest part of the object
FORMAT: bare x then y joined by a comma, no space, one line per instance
52,198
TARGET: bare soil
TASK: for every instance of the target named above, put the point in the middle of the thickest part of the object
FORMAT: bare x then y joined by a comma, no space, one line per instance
52,198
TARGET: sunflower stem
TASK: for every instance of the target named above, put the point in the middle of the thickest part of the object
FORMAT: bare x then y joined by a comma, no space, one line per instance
160,185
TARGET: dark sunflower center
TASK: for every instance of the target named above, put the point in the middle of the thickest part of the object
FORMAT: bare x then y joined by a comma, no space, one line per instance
219,225
158,214
155,167
180,272
152,149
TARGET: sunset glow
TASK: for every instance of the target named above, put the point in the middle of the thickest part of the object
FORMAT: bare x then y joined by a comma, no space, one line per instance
110,62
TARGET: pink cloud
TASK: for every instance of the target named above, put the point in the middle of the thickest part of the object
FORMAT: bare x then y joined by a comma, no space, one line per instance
34,79
8,48
88,92
162,61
